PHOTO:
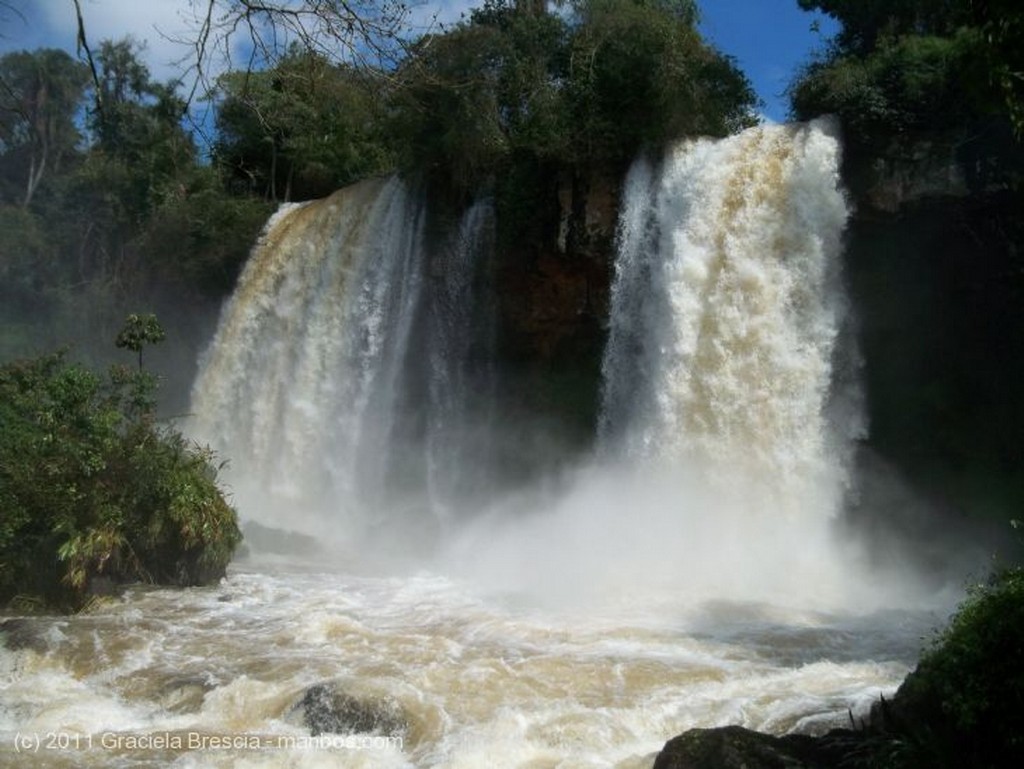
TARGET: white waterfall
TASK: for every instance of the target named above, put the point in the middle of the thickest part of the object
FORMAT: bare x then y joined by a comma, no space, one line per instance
313,384
725,313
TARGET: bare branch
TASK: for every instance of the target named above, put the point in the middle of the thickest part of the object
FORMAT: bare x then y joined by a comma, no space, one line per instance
369,33
5,8
83,45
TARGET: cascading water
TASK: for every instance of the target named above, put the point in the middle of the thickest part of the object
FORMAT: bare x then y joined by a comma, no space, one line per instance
462,369
300,382
725,313
686,580
337,379
722,446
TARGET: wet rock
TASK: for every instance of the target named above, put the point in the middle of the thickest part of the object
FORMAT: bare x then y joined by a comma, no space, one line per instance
18,634
185,694
327,710
733,747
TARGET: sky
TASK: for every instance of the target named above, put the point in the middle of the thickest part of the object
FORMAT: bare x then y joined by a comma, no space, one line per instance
768,38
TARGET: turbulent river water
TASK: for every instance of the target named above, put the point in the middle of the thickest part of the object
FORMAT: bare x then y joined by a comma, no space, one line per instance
480,680
695,571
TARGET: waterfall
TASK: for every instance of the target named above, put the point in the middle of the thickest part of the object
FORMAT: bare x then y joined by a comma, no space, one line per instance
351,381
725,312
335,380
462,378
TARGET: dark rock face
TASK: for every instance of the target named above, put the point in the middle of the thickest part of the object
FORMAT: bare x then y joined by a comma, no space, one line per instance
326,710
733,747
552,282
17,634
933,268
936,289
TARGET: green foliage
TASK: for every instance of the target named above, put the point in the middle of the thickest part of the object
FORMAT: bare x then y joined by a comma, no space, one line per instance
199,236
519,103
1002,27
592,91
125,213
90,486
138,331
907,69
39,95
449,118
865,23
134,118
641,75
302,129
909,85
964,704
25,263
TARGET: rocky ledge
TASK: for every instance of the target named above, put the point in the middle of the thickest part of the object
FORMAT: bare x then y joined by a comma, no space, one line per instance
733,747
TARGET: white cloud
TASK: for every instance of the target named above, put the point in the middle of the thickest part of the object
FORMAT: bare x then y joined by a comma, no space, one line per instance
428,13
153,23
162,25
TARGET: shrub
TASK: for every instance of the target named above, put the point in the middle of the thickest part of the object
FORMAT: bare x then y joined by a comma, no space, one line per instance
964,704
91,486
905,86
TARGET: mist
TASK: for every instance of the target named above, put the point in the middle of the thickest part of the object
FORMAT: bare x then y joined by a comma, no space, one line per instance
353,383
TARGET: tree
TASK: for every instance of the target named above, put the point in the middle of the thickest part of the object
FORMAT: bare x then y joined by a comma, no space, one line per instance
39,94
866,22
301,129
138,331
899,70
350,32
134,118
91,487
961,706
450,119
641,75
1002,28
618,76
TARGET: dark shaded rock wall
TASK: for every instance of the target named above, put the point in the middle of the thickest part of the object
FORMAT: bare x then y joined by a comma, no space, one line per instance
552,289
936,277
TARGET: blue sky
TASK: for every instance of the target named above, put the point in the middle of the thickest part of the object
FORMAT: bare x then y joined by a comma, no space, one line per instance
768,38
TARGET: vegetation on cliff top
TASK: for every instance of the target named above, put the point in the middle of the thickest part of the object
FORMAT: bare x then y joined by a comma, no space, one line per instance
929,96
108,201
902,69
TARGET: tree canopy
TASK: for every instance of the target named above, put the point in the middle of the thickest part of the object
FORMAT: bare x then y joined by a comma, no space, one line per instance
39,94
106,196
92,487
301,129
590,88
899,68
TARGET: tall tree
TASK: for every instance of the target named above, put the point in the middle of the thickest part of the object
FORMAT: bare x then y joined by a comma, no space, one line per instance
1002,26
132,114
302,128
40,92
901,69
342,31
641,75
866,22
